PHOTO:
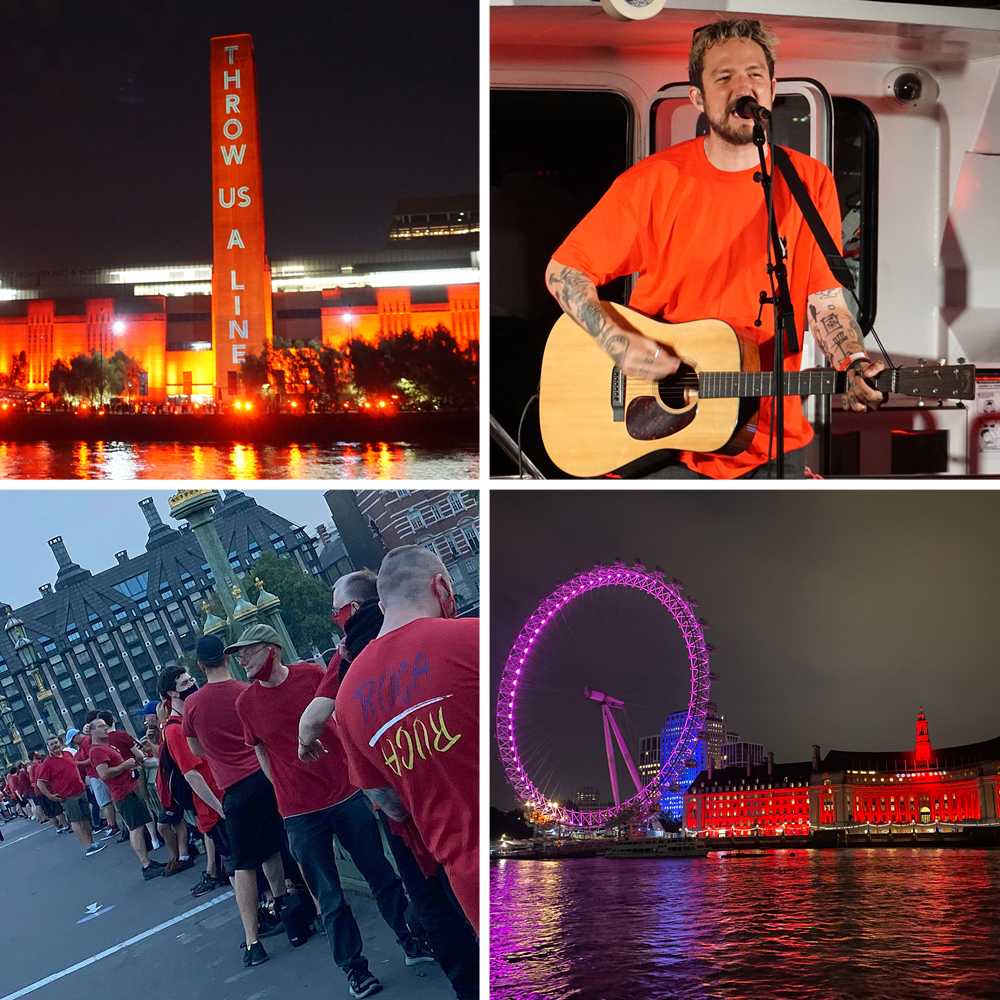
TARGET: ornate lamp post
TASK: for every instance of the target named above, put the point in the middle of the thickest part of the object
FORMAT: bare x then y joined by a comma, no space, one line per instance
14,735
197,507
28,656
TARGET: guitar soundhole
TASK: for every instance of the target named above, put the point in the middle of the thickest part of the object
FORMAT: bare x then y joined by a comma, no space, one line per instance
672,390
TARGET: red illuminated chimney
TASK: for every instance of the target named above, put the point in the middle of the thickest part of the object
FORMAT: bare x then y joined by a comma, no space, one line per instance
922,751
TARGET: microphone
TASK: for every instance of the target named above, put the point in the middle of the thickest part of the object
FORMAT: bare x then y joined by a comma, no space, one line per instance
747,107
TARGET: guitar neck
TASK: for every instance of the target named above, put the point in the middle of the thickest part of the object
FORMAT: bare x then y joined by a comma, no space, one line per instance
812,382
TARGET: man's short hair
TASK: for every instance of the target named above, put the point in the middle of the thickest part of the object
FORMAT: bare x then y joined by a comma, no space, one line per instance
210,651
405,573
168,680
723,31
358,587
90,716
107,716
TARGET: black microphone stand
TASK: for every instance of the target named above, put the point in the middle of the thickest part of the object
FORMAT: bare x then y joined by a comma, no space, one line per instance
780,298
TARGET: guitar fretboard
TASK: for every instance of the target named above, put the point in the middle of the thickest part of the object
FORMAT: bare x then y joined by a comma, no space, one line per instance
812,382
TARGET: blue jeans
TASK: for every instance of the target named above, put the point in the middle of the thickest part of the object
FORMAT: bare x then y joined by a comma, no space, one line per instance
310,838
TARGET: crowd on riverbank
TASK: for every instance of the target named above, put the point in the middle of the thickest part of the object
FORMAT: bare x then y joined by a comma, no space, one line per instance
379,749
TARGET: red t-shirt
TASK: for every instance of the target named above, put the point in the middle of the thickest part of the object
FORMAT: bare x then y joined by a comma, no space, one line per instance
121,785
696,237
23,783
408,715
185,760
270,717
122,742
210,717
83,750
33,777
330,684
62,776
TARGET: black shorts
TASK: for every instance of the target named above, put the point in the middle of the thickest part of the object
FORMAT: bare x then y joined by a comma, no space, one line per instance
50,808
219,835
252,821
133,811
171,817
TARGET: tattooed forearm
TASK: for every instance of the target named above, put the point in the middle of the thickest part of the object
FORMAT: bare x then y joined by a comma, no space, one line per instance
834,328
576,293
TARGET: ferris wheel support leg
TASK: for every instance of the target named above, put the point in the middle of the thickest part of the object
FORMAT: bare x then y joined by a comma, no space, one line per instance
612,772
626,756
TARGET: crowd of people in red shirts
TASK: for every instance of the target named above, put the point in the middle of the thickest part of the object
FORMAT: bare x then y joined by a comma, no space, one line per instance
378,750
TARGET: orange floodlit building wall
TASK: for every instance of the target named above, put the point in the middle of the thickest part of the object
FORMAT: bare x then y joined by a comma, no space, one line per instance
241,277
395,311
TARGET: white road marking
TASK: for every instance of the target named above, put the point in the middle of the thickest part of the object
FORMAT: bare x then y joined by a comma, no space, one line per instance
114,949
11,843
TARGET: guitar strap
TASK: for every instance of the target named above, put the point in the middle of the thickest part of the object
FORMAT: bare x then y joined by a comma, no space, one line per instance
838,266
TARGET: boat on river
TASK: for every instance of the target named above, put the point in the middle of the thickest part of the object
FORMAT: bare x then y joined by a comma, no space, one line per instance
659,847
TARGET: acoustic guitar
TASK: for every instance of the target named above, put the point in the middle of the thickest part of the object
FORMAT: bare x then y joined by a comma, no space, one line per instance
596,420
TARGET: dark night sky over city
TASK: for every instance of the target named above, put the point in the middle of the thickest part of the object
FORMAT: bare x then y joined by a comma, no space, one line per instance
105,109
886,606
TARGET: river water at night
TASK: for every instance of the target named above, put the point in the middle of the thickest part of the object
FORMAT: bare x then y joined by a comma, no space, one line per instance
176,460
785,924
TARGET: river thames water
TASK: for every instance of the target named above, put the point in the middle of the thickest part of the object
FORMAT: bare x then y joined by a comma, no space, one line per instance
175,460
883,924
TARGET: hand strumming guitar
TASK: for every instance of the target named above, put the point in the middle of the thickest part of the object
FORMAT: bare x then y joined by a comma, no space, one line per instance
636,355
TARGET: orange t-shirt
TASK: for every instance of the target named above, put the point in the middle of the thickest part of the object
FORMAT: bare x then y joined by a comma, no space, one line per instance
695,236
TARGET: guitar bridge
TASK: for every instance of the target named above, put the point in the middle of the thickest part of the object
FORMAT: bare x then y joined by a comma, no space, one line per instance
618,385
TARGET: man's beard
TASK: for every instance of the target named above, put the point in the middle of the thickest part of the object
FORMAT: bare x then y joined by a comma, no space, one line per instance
729,132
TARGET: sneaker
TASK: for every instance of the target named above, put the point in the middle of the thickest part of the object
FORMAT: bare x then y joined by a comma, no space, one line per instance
153,869
205,885
255,954
108,832
361,983
176,867
156,845
415,952
94,849
268,924
122,835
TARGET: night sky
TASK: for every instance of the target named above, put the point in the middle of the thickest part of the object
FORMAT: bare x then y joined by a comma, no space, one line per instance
97,523
888,601
106,139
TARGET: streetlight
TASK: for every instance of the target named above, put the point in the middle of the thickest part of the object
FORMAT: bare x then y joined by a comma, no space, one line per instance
28,656
14,735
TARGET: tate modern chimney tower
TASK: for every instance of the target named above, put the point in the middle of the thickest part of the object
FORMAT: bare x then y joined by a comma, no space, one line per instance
241,272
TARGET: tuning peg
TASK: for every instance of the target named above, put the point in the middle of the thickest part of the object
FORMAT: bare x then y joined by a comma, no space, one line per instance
921,361
942,361
961,361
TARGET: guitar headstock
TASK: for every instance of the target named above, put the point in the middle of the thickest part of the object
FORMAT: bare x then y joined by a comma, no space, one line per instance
934,381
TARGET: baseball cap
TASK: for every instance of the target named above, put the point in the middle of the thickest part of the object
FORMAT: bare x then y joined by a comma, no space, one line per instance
253,635
70,733
149,708
209,650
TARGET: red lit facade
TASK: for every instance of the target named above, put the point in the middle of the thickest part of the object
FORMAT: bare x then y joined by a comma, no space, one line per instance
848,789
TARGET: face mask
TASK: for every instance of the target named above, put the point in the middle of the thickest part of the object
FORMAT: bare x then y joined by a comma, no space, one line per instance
264,674
340,618
187,692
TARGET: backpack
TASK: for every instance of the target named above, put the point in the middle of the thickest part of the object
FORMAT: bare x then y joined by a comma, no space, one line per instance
171,785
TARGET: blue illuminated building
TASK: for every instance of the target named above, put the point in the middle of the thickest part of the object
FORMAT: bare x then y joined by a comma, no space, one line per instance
709,744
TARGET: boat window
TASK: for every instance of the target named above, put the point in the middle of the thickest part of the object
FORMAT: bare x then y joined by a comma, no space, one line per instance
855,170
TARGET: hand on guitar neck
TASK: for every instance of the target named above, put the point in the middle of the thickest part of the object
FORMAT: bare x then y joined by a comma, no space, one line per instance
637,356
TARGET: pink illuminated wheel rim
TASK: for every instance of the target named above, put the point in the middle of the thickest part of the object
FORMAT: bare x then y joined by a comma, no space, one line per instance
519,663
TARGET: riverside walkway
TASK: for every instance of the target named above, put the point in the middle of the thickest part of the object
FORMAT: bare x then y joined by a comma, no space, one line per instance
74,926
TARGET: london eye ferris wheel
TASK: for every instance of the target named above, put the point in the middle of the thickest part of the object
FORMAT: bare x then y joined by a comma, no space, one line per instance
522,662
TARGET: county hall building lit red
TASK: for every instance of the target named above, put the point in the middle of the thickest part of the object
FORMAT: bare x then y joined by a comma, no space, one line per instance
849,788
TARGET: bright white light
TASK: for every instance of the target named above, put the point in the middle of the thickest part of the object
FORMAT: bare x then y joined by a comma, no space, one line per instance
348,317
118,327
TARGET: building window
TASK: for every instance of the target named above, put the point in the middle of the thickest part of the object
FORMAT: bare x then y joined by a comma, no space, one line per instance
134,587
415,519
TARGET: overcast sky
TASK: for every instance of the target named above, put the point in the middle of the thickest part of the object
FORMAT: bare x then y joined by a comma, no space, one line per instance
887,603
96,523
105,110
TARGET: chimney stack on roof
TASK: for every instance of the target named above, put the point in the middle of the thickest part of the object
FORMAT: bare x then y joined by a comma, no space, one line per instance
815,756
770,762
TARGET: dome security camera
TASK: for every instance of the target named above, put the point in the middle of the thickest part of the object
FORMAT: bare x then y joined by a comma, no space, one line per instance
912,87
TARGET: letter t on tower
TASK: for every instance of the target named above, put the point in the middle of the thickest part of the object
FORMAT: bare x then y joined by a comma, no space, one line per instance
241,272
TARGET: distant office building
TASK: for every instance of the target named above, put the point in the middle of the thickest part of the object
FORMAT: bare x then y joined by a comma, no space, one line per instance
649,757
586,797
708,748
739,753
444,521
